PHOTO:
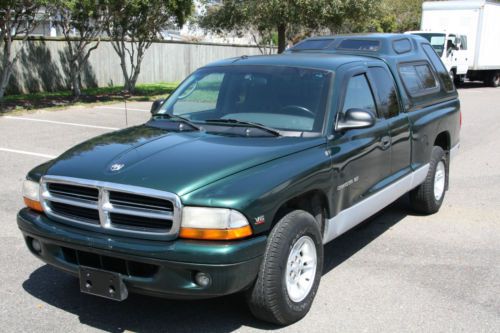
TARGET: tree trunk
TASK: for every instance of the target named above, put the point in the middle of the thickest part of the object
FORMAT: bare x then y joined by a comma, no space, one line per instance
133,80
123,65
137,70
4,80
281,38
7,67
75,82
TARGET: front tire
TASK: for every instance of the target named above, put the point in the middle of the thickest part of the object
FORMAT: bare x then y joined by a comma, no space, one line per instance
428,197
290,272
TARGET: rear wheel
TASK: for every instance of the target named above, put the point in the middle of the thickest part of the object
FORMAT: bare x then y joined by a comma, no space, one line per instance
290,272
459,80
428,197
494,79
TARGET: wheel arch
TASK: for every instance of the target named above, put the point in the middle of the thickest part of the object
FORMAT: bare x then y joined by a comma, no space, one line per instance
443,140
311,201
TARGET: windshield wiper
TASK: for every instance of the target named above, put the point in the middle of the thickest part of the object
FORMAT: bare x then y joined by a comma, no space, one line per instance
179,118
246,123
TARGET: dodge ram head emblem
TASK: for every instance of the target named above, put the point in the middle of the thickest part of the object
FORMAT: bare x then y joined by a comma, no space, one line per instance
117,167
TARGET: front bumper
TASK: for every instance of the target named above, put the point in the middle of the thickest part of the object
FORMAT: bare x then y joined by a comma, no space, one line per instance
158,268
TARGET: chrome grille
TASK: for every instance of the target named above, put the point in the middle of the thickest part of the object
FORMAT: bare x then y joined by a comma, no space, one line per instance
72,191
71,211
113,208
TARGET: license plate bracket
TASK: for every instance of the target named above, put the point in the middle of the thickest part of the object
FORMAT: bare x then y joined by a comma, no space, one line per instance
102,283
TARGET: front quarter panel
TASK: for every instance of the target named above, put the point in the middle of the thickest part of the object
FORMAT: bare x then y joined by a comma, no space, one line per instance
260,191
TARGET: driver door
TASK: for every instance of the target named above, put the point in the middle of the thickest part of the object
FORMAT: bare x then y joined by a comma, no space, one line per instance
361,158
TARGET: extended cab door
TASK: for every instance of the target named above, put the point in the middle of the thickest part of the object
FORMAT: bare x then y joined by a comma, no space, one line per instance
389,105
361,158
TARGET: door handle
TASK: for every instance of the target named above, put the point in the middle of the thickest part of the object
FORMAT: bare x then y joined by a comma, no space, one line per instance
386,142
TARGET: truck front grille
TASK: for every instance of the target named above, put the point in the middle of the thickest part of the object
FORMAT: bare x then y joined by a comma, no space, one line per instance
71,211
139,201
72,191
112,208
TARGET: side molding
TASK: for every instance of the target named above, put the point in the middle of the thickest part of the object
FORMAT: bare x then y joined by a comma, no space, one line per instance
352,216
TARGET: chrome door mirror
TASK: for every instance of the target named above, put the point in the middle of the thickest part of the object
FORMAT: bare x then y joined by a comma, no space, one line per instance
355,118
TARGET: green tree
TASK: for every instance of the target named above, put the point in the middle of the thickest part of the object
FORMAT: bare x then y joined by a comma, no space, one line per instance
133,25
285,17
397,16
82,23
18,18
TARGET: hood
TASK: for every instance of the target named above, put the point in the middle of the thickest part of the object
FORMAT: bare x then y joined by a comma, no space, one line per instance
178,162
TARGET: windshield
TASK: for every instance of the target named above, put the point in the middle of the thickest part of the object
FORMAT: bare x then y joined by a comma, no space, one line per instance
281,98
436,41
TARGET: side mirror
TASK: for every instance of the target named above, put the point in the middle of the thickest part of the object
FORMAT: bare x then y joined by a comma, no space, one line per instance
156,105
355,118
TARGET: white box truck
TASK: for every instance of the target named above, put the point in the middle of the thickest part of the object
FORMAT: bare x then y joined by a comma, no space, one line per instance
466,34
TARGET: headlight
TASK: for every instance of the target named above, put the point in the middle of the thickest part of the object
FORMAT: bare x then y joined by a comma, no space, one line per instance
31,194
213,223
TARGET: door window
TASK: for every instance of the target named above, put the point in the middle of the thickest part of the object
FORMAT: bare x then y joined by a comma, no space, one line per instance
386,91
359,95
463,42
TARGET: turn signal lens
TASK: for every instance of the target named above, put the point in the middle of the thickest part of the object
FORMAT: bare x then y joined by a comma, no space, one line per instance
35,205
31,194
216,234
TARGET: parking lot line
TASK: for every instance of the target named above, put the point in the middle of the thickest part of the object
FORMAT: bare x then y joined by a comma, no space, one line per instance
26,153
60,122
120,108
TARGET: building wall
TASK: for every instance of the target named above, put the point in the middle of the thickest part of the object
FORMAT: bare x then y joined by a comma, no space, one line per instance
43,66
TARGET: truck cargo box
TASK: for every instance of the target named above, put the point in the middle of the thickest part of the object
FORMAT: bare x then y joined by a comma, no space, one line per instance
479,20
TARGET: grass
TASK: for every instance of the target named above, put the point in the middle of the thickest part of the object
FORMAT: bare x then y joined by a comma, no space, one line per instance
58,99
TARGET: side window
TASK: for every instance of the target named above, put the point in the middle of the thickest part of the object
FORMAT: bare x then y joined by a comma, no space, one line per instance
200,95
359,95
386,91
463,42
427,80
438,67
410,79
418,79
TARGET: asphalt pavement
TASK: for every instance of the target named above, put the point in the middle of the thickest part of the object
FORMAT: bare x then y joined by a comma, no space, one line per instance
396,272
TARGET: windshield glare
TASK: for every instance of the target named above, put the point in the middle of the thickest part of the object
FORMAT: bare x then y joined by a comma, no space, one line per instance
436,41
284,98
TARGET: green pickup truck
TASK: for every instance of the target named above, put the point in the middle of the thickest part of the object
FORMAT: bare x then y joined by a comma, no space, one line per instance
246,170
